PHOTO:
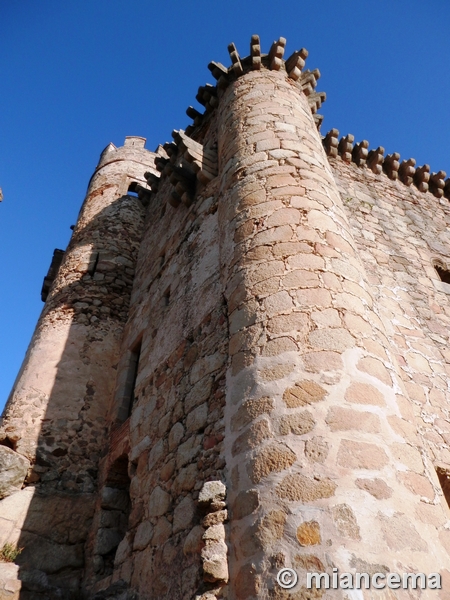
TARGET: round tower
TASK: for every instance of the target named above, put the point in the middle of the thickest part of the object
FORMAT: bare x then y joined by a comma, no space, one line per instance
315,412
56,415
56,412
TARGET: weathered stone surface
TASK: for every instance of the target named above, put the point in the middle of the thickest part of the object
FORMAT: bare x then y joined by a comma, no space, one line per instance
255,434
401,534
212,491
250,410
215,565
271,528
214,518
303,393
175,435
298,423
317,362
246,502
344,419
363,393
345,521
361,455
159,502
247,583
309,562
375,367
308,533
273,458
316,449
194,540
276,372
183,514
331,339
161,532
13,470
299,487
418,484
143,535
408,455
376,487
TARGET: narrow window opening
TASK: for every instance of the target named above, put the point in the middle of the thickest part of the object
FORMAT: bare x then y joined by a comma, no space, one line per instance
93,262
444,275
166,297
133,369
444,479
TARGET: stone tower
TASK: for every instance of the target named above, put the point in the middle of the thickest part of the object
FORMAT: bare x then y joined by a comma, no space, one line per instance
56,416
273,393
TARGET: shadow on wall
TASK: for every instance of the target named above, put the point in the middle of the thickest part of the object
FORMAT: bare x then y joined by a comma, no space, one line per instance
58,415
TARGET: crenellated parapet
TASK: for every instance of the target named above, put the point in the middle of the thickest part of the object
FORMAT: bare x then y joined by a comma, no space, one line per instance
187,162
405,171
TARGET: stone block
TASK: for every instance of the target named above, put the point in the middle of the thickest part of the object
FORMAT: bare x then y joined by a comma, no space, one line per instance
376,487
344,419
183,514
296,487
361,455
364,393
143,535
308,533
107,540
194,541
159,502
197,418
212,491
13,470
273,458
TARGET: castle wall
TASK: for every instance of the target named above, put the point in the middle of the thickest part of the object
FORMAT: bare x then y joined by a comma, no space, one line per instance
314,422
401,234
176,427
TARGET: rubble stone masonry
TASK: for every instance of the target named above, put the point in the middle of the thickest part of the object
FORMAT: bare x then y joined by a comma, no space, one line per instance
242,364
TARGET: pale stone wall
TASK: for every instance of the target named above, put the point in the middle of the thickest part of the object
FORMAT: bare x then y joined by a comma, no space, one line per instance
314,393
401,233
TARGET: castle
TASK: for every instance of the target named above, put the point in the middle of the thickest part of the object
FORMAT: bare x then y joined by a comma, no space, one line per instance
241,365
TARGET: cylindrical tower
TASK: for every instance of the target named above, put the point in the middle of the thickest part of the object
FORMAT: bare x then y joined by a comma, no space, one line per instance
316,410
56,415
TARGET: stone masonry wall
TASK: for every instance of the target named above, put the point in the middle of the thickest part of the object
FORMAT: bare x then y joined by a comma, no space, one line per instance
176,425
314,422
401,233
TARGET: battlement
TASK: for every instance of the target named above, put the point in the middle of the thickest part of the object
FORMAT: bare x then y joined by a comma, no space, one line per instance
405,171
132,150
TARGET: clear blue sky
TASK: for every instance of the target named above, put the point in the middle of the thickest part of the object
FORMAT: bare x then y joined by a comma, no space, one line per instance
78,74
